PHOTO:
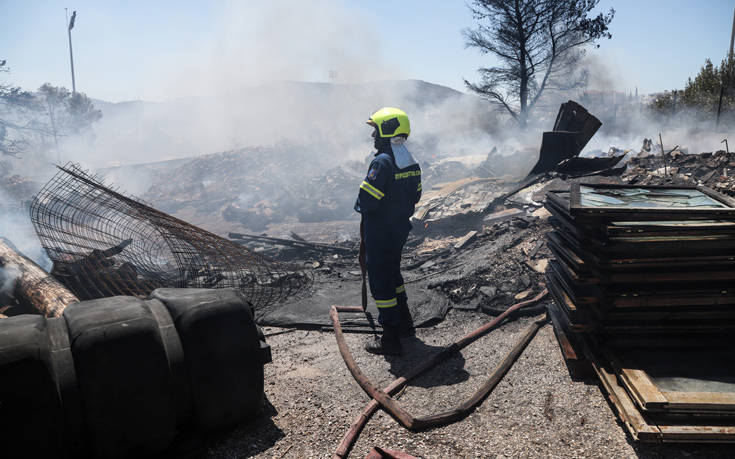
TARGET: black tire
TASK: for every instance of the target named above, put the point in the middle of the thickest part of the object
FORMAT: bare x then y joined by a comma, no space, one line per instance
62,366
31,414
222,354
123,376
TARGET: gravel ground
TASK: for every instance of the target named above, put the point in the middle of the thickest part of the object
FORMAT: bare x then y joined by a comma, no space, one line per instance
535,411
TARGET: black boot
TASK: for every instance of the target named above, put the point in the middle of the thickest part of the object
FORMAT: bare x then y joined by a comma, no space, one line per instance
406,330
388,344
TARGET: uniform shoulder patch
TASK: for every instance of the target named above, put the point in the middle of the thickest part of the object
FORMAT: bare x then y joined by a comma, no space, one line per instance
373,173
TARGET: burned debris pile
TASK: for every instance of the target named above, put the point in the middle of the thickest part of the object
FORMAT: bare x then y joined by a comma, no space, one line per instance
716,170
295,248
255,187
642,281
104,243
516,273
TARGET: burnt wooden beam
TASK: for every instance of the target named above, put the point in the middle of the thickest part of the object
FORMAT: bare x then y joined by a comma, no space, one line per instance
33,287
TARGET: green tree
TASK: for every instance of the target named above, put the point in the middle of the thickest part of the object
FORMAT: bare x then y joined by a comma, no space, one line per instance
538,44
701,95
703,91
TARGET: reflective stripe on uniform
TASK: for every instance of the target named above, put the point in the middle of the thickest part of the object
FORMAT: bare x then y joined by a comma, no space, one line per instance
400,289
419,187
402,175
371,190
386,303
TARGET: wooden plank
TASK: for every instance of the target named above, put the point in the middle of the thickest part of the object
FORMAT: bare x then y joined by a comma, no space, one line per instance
665,314
465,239
575,277
580,294
690,228
627,263
625,408
578,320
700,401
717,196
644,388
577,364
678,276
564,252
565,343
637,383
670,299
597,215
697,434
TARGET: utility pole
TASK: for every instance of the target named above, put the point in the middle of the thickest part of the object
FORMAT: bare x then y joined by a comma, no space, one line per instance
69,26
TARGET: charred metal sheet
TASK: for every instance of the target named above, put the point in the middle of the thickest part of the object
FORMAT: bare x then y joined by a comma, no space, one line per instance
577,166
573,128
574,117
555,148
104,243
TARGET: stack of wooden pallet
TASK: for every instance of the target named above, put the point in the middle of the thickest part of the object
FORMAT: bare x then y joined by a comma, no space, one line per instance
644,288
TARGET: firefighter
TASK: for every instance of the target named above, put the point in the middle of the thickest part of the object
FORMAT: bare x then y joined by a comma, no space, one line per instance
386,200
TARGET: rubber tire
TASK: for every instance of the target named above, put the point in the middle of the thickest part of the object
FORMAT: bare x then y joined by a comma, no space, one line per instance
222,354
123,376
31,413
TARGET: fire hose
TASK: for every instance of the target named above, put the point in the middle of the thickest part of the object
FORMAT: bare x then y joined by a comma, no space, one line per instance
382,398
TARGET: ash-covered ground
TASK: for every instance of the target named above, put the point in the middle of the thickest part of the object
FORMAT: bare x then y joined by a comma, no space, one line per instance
537,410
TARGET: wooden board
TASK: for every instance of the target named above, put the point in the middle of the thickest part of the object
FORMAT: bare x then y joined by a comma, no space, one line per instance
577,364
650,397
578,321
642,428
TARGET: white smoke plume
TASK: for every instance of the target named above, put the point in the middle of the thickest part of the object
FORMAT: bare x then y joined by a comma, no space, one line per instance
301,73
8,275
16,227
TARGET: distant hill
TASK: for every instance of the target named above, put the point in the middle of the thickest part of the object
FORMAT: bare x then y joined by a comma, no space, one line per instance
326,117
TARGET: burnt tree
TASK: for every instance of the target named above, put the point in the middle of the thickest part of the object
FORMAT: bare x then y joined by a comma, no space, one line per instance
537,44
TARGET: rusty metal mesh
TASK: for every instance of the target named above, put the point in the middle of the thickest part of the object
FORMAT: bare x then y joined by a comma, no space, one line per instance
103,243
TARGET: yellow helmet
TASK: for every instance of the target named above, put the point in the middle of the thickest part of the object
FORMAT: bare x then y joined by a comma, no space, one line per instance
390,122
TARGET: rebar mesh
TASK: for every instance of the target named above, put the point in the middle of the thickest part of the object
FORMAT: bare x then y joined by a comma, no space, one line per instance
104,243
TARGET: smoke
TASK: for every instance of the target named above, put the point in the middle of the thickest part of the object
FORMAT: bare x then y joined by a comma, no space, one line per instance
16,227
627,118
307,75
8,275
282,72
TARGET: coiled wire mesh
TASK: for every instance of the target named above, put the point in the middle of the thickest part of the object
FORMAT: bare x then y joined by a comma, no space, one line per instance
103,243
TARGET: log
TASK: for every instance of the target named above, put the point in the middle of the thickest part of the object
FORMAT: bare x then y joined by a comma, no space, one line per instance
34,287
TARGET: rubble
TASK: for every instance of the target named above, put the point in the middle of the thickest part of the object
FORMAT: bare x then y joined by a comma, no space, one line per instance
715,170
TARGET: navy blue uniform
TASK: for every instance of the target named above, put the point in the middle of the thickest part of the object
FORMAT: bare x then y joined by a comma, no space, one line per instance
387,200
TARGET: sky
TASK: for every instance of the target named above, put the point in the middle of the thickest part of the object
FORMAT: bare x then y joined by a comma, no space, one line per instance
161,50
